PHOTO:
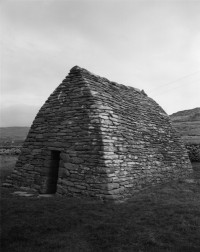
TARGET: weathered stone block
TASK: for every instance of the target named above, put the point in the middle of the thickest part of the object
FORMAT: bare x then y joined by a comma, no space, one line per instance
73,189
77,160
71,166
111,186
117,191
65,157
67,183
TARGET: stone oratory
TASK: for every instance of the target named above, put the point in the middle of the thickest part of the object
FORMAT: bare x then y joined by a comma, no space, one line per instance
94,137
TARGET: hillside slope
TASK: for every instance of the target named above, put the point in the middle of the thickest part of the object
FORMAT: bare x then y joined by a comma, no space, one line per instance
187,124
13,135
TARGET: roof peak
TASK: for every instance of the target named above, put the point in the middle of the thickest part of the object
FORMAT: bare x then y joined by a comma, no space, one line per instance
82,70
75,68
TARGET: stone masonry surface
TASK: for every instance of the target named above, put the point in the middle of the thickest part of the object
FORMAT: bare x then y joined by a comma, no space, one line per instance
113,140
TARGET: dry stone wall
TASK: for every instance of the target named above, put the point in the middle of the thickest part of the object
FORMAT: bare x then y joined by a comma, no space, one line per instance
113,140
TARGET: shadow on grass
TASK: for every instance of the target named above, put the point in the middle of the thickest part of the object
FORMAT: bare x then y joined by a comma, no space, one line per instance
165,218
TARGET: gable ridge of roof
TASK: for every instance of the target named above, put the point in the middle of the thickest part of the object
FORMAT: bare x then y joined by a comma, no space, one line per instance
76,69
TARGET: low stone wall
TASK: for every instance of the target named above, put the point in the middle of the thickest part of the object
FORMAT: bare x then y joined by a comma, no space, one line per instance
10,150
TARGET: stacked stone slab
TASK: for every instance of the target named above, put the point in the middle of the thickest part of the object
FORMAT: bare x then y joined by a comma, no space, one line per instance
113,140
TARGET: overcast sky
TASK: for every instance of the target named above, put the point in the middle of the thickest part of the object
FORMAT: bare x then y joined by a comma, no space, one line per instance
151,45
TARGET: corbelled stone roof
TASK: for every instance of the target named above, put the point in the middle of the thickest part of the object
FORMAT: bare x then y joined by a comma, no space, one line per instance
102,139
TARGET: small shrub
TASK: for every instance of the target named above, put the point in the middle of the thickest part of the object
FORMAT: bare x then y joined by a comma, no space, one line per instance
193,152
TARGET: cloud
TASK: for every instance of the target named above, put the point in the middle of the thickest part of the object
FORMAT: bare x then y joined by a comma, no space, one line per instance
138,43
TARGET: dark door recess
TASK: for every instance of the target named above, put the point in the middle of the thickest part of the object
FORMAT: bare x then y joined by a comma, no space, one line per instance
53,172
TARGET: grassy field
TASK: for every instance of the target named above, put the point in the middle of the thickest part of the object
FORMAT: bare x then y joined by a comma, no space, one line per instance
164,218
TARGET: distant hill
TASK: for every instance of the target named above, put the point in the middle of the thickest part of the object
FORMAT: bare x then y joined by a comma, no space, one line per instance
187,124
14,132
13,135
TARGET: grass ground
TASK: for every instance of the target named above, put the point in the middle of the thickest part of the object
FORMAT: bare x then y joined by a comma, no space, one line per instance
164,218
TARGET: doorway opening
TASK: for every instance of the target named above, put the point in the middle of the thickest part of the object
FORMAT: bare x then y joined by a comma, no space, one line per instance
53,172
